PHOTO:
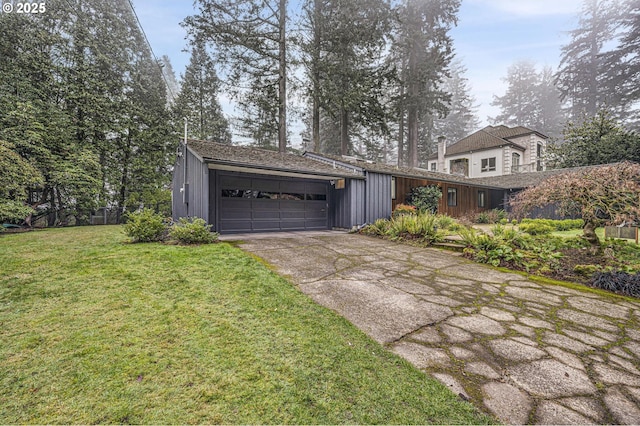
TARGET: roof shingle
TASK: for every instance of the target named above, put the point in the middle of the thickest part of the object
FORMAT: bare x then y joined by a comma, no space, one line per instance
244,156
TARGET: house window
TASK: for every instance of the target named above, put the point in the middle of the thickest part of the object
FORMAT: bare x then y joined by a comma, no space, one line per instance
539,158
482,199
515,162
459,167
433,167
489,164
393,188
452,197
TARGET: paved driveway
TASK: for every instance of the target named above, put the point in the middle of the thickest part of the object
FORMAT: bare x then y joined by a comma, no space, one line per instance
525,352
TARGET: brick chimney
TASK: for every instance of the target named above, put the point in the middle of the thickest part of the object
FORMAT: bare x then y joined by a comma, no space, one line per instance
442,151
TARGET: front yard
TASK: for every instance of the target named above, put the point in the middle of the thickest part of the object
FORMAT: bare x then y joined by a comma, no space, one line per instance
95,330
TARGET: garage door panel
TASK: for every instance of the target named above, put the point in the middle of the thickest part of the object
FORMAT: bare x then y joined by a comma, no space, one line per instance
293,224
265,214
292,214
235,214
236,226
266,225
292,205
265,204
235,182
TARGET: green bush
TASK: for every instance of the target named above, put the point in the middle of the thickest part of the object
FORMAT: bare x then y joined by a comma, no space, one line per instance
536,228
425,198
557,225
145,226
192,231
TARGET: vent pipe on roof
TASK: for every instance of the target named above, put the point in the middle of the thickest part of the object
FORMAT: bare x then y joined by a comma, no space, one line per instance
442,151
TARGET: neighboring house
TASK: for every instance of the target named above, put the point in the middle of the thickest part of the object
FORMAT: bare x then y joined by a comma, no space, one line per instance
492,151
243,189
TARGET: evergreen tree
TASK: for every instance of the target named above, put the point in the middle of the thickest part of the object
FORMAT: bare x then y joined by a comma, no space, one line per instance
519,105
581,72
425,51
462,118
347,72
249,37
198,99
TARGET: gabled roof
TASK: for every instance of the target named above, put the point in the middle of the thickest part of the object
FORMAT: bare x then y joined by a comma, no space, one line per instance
487,138
256,158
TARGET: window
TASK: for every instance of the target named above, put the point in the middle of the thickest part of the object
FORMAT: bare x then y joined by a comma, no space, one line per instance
237,193
393,188
482,199
539,166
316,197
489,164
434,166
452,197
515,162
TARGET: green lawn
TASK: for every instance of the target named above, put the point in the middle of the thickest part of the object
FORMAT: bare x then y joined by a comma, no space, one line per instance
95,330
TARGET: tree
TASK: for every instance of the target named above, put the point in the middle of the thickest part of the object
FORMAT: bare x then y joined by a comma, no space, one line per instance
598,140
249,37
169,75
349,73
581,69
607,194
550,117
462,118
622,64
519,104
198,99
17,177
425,50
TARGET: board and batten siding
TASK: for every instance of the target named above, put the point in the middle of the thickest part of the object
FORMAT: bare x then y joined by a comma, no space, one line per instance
466,196
378,197
347,204
197,204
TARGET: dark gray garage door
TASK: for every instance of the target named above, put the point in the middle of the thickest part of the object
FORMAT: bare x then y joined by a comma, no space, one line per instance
254,204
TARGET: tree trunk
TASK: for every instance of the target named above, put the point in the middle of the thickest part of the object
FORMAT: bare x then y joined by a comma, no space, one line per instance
282,84
344,131
317,36
589,234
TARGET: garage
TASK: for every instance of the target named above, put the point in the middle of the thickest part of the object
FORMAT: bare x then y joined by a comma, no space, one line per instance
258,203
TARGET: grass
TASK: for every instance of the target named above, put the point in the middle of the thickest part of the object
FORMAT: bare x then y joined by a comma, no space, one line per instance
95,330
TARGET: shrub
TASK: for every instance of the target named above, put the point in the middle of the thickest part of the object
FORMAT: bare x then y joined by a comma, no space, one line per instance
145,226
618,282
557,225
403,209
536,228
192,231
425,198
491,216
378,228
586,270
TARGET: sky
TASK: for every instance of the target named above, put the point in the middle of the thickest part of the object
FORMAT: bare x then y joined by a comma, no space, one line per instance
490,36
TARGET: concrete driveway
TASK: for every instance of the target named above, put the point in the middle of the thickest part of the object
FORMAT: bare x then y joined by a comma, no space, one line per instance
522,351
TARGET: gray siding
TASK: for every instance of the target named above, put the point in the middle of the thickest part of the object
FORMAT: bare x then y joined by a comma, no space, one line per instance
378,197
348,204
197,204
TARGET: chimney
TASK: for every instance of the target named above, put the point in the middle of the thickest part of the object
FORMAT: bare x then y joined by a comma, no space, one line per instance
442,151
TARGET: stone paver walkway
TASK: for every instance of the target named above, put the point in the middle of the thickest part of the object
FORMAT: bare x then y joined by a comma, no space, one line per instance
525,352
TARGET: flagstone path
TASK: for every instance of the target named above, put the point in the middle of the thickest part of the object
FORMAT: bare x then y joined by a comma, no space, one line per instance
525,352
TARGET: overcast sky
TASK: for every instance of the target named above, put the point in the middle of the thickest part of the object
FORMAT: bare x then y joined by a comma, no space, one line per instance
490,36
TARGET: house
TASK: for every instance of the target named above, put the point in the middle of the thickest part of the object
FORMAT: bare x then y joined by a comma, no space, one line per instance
491,151
244,189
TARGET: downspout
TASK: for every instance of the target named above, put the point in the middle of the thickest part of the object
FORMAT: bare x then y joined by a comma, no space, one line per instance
185,185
